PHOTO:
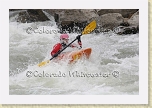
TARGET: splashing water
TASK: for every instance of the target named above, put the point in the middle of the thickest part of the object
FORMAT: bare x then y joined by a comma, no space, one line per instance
111,69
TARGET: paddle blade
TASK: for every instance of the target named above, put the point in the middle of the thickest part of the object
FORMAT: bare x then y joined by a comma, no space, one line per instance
43,63
89,28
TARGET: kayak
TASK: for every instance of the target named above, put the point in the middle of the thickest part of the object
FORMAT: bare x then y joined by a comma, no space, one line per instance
70,56
75,55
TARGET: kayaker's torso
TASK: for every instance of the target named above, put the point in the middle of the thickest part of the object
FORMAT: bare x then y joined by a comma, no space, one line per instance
57,47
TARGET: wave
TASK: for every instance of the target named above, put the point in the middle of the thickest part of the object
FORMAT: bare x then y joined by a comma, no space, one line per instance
113,55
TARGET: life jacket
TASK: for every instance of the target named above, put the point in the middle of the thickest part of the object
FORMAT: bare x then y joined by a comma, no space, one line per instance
59,46
56,48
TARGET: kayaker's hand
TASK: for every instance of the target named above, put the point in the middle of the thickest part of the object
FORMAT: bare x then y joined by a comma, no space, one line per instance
79,38
79,41
80,45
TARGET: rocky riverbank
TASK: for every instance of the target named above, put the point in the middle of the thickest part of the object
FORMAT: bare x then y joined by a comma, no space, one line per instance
121,21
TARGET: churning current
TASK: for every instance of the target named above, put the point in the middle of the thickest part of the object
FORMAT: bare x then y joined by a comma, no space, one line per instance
112,69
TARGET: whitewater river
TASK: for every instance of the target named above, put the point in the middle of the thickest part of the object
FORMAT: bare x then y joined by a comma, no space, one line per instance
113,67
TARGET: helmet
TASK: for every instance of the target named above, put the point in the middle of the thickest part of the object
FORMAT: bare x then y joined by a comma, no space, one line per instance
64,36
64,39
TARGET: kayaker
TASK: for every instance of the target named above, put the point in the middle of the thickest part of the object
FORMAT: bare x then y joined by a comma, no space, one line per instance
64,41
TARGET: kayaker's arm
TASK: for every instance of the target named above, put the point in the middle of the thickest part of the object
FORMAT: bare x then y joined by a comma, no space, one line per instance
79,41
79,45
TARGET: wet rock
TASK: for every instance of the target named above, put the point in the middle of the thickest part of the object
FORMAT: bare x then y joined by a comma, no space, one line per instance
75,15
134,20
76,20
126,30
126,13
32,15
72,20
13,13
15,9
109,21
130,30
126,21
131,27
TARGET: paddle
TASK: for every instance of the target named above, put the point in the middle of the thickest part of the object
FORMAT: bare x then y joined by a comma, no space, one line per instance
88,29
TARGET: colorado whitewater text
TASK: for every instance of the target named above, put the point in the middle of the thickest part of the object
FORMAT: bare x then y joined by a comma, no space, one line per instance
74,74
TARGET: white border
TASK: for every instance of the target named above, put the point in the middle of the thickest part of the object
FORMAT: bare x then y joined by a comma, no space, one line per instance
142,98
